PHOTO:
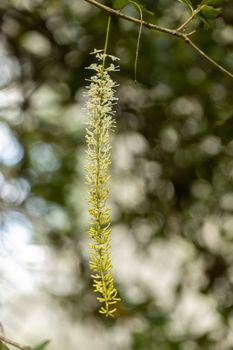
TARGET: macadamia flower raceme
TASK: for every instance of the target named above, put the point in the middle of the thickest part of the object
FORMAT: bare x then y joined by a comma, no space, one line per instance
100,124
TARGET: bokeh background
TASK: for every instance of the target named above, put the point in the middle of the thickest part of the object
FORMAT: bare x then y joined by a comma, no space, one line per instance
171,188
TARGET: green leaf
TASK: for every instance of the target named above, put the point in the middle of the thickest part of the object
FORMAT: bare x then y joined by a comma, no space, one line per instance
42,346
188,3
211,2
209,12
119,4
205,23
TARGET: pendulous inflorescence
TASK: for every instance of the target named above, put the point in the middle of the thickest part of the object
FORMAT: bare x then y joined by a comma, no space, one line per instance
100,124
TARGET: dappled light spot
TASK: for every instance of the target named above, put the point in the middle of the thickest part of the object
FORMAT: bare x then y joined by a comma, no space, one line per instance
43,157
201,189
14,191
169,139
211,145
9,68
36,43
15,232
11,152
187,106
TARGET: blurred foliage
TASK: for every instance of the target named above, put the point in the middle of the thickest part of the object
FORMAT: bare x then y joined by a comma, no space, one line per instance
42,346
172,165
3,346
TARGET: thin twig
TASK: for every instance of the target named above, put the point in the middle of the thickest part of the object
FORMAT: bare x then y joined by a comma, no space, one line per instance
13,343
186,22
163,30
194,13
191,33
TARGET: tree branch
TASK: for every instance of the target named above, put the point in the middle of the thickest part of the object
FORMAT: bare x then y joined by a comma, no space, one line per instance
173,32
13,343
118,13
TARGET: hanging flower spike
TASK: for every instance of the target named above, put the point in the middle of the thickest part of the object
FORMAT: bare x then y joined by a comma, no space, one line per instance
100,123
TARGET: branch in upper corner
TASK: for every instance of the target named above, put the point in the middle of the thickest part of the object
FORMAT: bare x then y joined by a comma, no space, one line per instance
176,33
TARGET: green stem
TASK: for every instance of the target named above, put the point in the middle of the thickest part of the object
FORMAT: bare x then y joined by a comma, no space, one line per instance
106,43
